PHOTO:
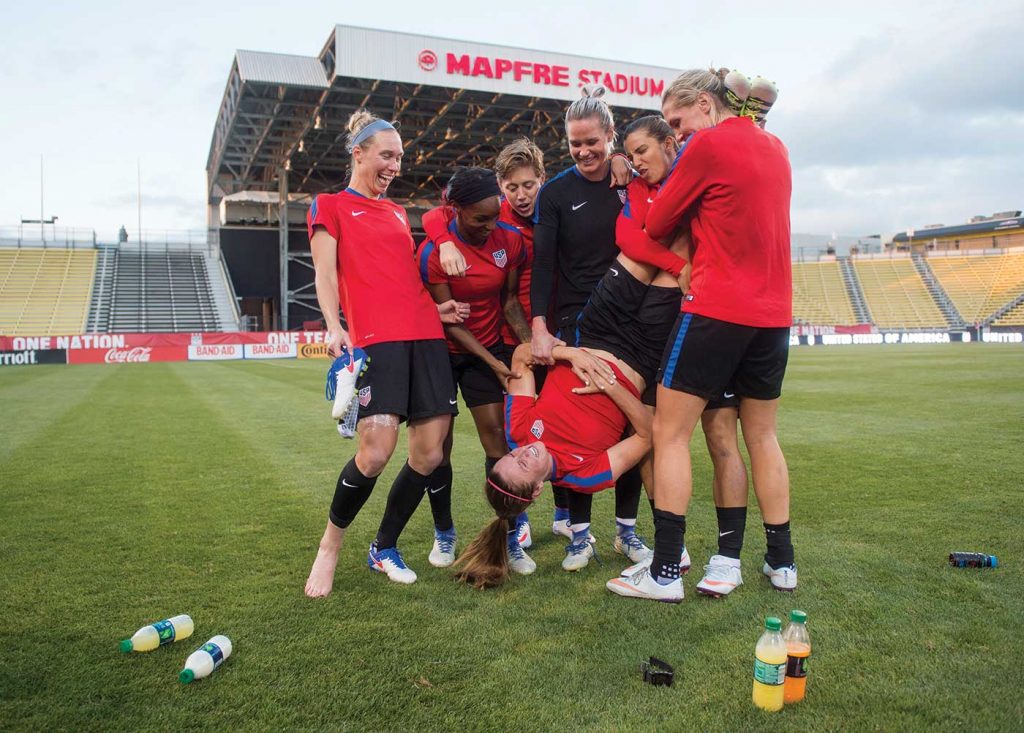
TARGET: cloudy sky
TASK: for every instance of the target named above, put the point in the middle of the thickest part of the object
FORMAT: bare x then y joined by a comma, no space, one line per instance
897,115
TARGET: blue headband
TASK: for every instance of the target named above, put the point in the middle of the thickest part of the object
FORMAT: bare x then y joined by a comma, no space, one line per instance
370,130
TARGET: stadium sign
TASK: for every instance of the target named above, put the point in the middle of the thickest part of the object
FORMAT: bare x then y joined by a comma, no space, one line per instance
403,57
33,356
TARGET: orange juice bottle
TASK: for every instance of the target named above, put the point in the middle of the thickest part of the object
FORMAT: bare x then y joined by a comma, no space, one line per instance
798,649
770,666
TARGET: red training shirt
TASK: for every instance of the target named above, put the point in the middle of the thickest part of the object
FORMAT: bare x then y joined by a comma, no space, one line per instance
487,268
577,429
436,222
736,178
378,285
634,242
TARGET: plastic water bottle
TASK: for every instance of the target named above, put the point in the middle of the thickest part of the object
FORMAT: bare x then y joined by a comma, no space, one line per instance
156,635
205,659
770,666
798,649
972,560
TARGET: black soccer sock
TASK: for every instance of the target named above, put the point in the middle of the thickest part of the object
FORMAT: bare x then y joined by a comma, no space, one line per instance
669,535
780,545
405,495
579,507
627,494
561,497
731,523
439,492
352,491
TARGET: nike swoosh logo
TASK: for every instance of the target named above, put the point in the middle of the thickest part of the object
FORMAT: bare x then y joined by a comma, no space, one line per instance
650,200
723,534
728,395
358,213
576,457
452,402
439,488
579,206
346,483
614,271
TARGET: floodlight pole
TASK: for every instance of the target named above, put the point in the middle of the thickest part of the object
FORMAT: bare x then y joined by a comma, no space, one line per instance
42,227
282,230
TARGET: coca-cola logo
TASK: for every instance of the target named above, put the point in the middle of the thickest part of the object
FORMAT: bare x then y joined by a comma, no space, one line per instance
123,356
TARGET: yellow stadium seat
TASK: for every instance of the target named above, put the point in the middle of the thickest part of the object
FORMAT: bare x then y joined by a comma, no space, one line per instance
896,295
45,292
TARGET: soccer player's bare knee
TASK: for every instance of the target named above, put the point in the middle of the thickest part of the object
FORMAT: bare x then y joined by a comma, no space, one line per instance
378,436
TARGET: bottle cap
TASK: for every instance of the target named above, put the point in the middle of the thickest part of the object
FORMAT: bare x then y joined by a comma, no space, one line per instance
126,645
799,617
995,562
773,623
186,676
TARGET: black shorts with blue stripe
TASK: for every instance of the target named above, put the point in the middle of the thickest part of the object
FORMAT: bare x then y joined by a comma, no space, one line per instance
710,358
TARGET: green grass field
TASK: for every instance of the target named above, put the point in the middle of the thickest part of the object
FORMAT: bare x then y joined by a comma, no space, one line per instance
134,492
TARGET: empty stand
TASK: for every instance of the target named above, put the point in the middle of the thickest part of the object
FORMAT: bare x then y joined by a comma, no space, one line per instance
45,292
820,296
896,294
979,285
159,291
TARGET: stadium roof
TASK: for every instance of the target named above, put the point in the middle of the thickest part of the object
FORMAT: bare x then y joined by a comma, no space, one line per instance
458,103
981,227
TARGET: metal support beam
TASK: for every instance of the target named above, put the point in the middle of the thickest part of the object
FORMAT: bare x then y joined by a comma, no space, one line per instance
282,230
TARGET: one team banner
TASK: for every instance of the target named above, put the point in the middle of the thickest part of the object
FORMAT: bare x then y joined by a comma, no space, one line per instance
139,348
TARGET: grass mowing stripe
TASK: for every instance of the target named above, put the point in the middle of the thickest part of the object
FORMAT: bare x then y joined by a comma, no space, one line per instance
228,471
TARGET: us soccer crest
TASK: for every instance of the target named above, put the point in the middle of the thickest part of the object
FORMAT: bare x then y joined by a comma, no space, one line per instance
364,397
537,429
500,258
622,195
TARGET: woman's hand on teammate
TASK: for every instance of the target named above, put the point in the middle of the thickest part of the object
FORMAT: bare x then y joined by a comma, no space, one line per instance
595,373
453,312
622,171
452,261
504,374
541,345
684,278
338,339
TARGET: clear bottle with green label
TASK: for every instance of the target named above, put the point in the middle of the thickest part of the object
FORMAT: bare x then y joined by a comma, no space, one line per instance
204,660
156,635
770,667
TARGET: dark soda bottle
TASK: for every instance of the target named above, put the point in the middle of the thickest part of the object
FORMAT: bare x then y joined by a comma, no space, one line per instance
972,560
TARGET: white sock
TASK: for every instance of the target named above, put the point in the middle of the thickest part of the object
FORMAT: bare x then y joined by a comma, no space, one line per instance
578,529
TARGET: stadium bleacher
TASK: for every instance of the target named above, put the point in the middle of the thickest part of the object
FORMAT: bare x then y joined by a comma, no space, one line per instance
158,291
819,295
979,285
896,294
45,292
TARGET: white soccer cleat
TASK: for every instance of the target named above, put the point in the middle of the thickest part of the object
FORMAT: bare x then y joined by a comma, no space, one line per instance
341,380
519,561
641,585
737,89
783,578
347,425
561,528
721,577
442,554
390,563
763,94
633,547
578,554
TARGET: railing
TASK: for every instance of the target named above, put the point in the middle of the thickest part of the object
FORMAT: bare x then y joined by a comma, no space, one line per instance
150,240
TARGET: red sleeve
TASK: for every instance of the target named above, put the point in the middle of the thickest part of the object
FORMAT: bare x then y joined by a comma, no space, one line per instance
322,213
685,183
633,240
589,477
518,420
435,223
